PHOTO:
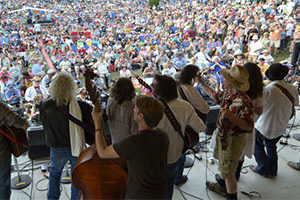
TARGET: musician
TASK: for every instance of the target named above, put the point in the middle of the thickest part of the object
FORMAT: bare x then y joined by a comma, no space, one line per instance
64,146
165,88
235,120
145,153
12,119
186,79
120,110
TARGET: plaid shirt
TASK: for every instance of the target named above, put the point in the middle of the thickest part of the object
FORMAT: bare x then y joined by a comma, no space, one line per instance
239,104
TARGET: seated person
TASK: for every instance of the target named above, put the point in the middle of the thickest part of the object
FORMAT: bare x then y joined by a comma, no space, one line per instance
267,56
12,95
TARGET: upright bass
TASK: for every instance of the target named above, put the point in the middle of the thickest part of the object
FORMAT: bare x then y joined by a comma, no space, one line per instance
98,178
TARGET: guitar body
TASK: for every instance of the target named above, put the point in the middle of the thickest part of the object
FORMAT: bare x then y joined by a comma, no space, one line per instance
98,178
19,135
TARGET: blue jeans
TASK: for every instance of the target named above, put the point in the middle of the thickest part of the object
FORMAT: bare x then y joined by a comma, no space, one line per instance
5,176
171,174
180,168
58,158
267,161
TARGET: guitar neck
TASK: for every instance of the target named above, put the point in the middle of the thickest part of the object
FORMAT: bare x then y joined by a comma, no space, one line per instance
143,83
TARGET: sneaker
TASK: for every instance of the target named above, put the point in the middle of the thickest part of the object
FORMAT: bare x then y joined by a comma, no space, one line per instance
182,181
216,187
294,165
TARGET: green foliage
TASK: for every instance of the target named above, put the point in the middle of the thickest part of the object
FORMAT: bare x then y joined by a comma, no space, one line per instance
153,3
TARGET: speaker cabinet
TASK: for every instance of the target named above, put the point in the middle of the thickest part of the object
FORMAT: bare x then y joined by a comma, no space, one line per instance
37,143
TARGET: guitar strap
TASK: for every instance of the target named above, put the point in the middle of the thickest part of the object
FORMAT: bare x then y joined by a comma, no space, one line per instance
173,120
75,120
9,137
289,96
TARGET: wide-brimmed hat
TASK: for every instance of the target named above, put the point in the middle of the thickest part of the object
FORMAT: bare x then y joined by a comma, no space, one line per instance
265,51
50,71
36,78
238,53
237,76
277,71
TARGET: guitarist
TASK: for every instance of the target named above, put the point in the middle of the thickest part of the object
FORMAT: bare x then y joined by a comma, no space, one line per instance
145,153
187,92
65,138
165,89
12,119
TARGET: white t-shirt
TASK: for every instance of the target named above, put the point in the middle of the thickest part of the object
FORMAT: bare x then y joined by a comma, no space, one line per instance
255,46
125,73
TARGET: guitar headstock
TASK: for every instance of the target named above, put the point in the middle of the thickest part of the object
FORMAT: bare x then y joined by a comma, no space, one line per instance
92,89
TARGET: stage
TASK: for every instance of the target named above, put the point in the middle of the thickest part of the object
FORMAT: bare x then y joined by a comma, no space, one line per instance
285,186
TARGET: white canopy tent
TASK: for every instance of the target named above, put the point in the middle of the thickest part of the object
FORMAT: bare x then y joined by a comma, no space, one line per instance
31,8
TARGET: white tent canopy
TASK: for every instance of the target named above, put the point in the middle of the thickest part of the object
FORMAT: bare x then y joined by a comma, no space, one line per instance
31,8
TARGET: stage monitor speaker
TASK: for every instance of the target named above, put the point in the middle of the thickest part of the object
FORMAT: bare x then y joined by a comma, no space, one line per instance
211,119
37,143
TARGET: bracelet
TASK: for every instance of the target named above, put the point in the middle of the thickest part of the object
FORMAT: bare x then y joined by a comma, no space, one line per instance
98,129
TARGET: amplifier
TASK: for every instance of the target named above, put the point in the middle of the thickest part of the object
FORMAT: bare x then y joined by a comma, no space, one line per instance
211,119
37,147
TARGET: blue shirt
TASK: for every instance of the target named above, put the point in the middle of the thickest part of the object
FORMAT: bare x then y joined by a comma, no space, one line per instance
8,94
179,63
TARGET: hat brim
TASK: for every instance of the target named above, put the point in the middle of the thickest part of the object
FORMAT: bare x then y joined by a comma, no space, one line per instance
239,55
241,87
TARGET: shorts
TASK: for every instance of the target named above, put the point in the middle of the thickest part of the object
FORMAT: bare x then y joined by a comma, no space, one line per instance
229,158
275,43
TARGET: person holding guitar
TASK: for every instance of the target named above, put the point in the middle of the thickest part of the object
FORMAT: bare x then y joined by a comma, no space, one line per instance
65,138
12,119
145,153
186,91
165,89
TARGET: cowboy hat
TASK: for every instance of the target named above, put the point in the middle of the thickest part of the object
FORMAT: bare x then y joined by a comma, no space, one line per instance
36,78
265,51
238,53
277,71
237,76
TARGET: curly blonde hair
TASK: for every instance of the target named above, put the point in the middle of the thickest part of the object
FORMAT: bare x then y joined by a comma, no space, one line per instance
63,88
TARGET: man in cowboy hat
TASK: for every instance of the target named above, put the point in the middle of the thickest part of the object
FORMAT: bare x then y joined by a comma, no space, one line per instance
274,119
36,89
235,119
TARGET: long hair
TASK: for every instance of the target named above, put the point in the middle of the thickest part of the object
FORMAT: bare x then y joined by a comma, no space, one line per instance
122,90
256,81
187,74
63,88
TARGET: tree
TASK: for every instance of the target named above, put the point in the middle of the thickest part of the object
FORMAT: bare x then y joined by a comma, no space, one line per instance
153,3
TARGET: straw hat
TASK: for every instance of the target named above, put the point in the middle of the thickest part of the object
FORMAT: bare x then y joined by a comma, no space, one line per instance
237,76
36,78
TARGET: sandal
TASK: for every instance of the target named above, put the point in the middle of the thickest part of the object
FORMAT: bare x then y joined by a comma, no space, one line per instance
216,187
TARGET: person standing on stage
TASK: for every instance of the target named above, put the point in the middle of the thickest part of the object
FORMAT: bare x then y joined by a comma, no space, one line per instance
65,138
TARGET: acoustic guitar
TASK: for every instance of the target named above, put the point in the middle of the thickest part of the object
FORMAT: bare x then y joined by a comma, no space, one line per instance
191,137
17,139
98,178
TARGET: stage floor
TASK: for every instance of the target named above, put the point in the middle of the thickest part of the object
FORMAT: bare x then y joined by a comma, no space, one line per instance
285,186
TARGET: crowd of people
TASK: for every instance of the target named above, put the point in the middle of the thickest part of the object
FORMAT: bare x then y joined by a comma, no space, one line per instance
219,44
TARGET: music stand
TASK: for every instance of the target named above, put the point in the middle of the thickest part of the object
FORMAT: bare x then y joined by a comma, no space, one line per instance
65,176
20,181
